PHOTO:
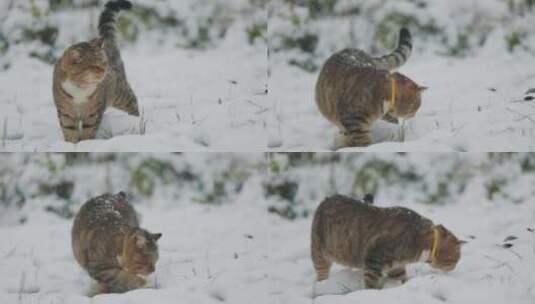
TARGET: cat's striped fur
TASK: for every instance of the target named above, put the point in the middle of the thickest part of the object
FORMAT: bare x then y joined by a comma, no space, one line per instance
89,77
354,89
381,241
108,243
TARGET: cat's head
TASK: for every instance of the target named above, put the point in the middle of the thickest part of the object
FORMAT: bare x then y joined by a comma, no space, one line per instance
141,251
448,249
407,96
85,63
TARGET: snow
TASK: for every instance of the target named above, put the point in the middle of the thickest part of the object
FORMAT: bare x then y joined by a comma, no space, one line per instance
237,252
474,103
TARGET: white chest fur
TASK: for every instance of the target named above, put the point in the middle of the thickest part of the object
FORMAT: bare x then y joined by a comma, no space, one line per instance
424,257
79,95
386,106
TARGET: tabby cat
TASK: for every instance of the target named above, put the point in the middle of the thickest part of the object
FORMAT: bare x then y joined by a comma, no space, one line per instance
109,244
381,241
89,77
354,90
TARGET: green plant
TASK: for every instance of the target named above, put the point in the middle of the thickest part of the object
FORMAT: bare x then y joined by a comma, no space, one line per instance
307,42
494,188
284,190
320,8
224,185
4,44
308,64
216,195
127,28
514,40
376,173
62,189
152,170
256,31
390,24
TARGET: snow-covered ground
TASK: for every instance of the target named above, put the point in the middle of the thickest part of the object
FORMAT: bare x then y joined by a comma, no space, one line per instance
237,252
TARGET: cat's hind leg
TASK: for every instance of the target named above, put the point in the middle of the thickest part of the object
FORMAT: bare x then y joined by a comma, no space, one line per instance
322,265
398,274
373,277
356,129
125,99
389,118
374,265
115,279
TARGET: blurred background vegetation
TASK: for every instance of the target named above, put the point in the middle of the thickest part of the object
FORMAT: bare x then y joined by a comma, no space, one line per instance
312,29
289,185
304,31
44,28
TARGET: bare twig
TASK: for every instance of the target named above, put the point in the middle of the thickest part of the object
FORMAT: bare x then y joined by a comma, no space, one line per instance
142,122
515,253
255,104
402,130
500,263
4,133
522,116
22,282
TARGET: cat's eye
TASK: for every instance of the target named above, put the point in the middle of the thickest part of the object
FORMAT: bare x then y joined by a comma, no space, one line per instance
98,69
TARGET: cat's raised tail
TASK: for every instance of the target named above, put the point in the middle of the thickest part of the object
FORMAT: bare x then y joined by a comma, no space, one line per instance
123,98
399,56
106,22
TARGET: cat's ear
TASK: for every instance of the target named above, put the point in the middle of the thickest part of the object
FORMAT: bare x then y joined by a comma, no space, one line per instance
140,240
156,236
99,42
421,89
441,229
70,57
121,195
74,56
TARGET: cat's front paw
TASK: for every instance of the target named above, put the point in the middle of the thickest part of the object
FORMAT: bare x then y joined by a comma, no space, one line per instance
390,118
137,282
102,288
134,112
142,283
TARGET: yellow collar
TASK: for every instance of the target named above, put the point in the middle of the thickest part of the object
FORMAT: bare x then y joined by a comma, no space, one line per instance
393,93
434,245
122,258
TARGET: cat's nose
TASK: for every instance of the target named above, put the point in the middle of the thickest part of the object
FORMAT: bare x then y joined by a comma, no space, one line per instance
99,71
